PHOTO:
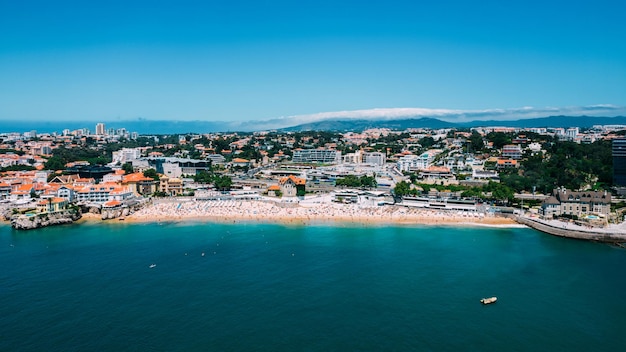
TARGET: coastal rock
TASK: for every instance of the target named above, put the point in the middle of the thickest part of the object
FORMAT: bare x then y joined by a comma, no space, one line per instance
25,222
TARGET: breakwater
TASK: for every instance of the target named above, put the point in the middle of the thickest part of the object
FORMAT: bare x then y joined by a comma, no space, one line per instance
568,231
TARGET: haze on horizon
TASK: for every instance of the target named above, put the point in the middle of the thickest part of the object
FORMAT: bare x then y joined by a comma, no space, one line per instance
248,61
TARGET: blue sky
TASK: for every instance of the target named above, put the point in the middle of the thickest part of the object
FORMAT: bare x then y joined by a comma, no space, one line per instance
257,60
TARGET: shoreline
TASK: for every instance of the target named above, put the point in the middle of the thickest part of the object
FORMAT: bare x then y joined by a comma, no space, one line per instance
323,213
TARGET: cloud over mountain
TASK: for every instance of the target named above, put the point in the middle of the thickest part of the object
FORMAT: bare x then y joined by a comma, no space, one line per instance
450,115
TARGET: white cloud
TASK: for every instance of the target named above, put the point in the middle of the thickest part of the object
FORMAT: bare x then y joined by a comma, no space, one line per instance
451,115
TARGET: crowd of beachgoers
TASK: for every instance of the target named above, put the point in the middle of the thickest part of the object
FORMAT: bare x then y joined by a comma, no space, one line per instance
252,210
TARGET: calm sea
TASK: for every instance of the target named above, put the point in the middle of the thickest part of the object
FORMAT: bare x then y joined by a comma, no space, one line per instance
251,287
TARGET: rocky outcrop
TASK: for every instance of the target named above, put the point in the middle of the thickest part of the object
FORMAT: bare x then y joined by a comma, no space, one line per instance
29,222
114,213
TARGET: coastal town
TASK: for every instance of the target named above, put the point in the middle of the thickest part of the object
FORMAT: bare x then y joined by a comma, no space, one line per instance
414,176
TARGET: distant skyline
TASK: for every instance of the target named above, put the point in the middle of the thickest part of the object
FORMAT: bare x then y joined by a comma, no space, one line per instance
250,61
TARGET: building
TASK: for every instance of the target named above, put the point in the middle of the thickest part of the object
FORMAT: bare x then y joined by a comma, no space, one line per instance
171,186
292,186
50,205
579,204
172,167
322,156
100,129
375,158
102,192
512,151
619,162
417,162
125,155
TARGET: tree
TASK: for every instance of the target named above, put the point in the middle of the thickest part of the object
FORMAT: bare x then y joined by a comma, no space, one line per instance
55,163
128,168
476,143
223,183
368,182
203,177
402,189
152,174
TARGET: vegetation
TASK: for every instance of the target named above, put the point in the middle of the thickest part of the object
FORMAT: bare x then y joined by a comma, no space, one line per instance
357,182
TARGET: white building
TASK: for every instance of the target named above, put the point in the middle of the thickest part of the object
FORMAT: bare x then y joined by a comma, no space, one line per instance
126,155
417,162
326,156
375,158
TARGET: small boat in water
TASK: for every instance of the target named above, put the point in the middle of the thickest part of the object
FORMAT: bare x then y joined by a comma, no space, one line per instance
152,266
489,300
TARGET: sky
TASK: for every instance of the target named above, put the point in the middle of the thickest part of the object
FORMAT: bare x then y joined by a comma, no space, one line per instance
260,60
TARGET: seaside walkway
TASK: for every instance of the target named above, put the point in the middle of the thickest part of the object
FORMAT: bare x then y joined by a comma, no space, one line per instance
615,233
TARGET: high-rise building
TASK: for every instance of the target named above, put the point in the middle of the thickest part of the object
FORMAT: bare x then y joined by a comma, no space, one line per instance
619,162
100,129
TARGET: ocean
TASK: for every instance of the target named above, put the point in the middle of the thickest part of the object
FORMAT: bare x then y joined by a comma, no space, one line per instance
269,287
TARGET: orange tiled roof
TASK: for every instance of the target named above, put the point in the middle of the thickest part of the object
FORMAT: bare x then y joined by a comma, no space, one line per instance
294,179
112,203
273,188
135,177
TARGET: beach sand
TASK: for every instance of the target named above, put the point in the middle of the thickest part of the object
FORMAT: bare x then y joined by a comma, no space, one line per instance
271,212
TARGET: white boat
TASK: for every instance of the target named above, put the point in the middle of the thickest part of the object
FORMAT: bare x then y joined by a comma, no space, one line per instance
489,300
152,266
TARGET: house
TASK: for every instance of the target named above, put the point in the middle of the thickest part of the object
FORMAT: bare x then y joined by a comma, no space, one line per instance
578,204
22,192
5,190
171,186
292,186
273,190
239,162
140,184
506,163
51,204
102,193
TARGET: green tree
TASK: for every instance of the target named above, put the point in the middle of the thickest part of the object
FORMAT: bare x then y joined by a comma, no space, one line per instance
476,143
55,163
152,174
128,168
402,189
223,183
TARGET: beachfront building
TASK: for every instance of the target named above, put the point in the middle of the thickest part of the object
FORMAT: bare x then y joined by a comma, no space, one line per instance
5,190
292,186
66,192
579,204
140,184
49,205
171,186
103,192
322,156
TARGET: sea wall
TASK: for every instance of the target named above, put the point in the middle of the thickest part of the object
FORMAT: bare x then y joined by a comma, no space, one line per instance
590,235
24,222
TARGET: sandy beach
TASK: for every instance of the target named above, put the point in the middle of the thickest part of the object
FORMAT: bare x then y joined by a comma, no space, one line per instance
264,211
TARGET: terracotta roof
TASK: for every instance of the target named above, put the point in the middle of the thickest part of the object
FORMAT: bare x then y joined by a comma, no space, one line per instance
294,179
135,177
273,188
240,160
111,204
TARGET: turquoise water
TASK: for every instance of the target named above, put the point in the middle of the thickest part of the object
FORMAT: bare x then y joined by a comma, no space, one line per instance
309,288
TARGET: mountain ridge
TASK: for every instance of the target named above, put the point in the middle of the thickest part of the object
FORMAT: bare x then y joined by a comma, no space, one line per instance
146,127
